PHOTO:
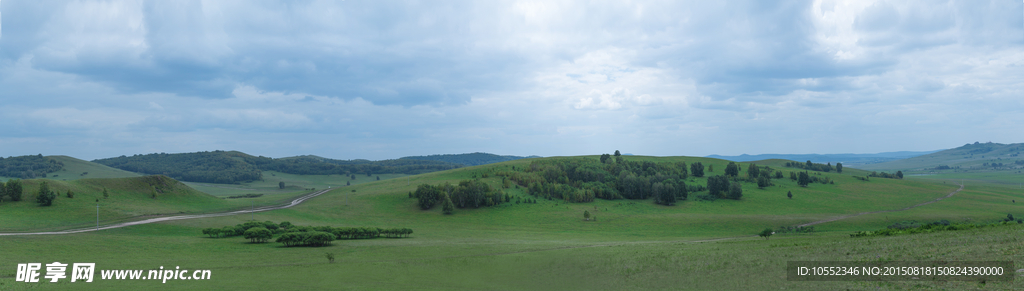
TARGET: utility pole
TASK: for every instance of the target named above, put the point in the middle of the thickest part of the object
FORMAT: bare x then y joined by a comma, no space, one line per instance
252,208
97,216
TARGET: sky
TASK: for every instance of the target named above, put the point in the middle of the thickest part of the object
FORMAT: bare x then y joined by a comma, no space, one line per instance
386,79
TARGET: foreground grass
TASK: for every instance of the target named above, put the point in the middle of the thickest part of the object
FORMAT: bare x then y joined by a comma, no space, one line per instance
501,261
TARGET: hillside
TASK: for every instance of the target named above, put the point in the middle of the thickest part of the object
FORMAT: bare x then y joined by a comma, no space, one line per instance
126,198
969,157
232,167
473,159
852,160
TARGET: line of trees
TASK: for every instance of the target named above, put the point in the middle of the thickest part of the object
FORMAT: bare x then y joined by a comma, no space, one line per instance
897,175
293,235
29,167
468,193
816,167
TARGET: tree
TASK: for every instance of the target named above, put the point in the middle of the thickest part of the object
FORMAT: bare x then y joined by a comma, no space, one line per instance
839,168
105,193
258,234
753,171
378,178
789,194
448,207
348,183
792,176
70,194
45,196
804,179
732,169
212,232
766,233
280,185
586,215
718,186
14,189
617,154
697,169
763,181
711,168
735,191
899,174
605,157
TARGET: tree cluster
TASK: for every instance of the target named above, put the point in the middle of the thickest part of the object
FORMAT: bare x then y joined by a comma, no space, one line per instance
813,166
468,193
583,179
12,190
28,167
897,175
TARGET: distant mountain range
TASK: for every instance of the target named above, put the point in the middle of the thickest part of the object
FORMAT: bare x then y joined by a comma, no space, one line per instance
851,160
473,159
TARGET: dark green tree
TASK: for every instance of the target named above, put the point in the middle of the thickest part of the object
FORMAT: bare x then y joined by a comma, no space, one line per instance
105,193
763,182
605,157
732,169
70,194
697,169
792,176
804,179
258,234
448,207
45,197
378,178
735,191
14,189
766,233
839,168
899,174
348,183
753,172
280,185
617,154
789,194
586,215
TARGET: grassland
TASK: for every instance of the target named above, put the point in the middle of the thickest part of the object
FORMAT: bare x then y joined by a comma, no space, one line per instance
633,245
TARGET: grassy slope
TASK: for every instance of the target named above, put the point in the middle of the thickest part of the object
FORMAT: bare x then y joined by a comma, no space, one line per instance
128,197
971,155
73,169
632,245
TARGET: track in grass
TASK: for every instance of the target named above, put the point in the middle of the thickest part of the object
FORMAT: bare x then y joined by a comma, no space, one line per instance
882,211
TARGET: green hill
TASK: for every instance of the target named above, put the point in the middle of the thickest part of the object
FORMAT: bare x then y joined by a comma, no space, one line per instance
233,167
969,157
473,159
126,198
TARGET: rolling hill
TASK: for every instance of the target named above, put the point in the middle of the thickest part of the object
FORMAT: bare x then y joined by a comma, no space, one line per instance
473,159
976,157
850,160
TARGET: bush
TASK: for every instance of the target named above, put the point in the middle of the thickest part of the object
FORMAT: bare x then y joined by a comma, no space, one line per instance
258,234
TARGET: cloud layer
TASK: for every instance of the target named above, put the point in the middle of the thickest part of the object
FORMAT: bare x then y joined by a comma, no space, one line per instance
371,79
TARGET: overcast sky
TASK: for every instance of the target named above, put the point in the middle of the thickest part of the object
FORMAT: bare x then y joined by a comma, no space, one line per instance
386,79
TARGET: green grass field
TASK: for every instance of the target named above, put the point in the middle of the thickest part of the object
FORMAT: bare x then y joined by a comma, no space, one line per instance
632,245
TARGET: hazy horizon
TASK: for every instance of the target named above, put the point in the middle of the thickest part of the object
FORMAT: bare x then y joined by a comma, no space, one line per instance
383,80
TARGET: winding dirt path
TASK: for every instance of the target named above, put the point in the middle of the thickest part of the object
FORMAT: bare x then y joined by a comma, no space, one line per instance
297,201
882,211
